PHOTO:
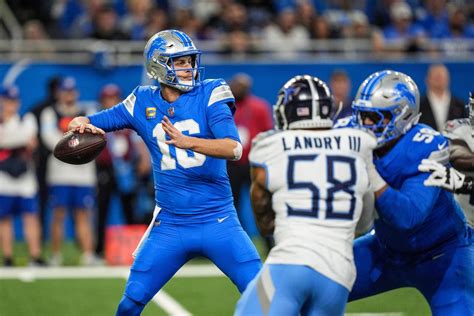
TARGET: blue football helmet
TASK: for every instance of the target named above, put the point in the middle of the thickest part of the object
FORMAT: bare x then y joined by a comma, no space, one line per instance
304,102
391,101
159,53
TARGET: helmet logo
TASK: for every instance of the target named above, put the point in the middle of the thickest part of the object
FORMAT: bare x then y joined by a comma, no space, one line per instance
73,142
404,93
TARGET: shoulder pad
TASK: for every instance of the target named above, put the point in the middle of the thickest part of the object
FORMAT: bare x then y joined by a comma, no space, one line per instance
261,136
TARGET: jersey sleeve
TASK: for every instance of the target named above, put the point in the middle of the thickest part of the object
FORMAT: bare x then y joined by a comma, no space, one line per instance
118,117
221,122
219,110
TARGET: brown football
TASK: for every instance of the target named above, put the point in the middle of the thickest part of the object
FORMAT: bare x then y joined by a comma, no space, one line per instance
77,149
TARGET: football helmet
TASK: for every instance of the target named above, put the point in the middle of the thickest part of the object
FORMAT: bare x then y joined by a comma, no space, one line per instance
159,53
304,102
389,99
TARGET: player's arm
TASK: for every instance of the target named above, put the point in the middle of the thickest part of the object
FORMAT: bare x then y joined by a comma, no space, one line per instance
81,123
261,200
220,148
460,155
407,207
118,117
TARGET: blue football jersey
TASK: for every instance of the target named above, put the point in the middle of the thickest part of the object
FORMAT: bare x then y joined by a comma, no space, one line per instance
413,217
186,182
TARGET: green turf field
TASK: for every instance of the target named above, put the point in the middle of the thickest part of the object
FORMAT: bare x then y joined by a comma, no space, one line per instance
198,295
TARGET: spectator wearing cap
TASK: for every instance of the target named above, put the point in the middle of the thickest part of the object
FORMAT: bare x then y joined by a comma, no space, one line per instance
71,187
252,117
402,34
116,172
18,187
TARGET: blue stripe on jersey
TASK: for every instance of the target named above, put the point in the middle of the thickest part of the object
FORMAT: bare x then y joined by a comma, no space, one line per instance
184,38
371,84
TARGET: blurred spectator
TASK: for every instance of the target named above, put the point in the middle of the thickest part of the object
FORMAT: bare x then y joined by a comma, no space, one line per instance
17,178
438,105
135,21
435,20
186,21
237,45
321,29
341,85
286,38
115,170
105,25
83,25
402,34
34,31
360,29
306,13
42,151
253,116
157,21
459,26
72,187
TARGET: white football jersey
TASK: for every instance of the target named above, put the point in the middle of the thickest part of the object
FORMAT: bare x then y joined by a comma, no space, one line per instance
461,129
18,132
318,180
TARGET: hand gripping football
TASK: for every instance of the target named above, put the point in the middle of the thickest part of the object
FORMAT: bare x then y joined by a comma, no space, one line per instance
77,149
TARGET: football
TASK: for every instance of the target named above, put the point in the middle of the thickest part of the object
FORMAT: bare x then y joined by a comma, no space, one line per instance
77,149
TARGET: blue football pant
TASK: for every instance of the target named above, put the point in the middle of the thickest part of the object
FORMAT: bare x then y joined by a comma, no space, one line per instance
284,289
445,277
169,246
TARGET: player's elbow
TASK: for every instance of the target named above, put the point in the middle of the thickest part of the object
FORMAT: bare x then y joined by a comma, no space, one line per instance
236,151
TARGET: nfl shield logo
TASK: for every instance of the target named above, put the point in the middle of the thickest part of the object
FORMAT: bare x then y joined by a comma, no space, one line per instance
171,110
73,142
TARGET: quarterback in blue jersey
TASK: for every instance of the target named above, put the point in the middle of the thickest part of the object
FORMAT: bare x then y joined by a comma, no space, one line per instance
188,127
421,237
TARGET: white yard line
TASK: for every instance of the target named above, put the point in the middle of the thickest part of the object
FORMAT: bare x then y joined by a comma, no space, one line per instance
169,304
188,271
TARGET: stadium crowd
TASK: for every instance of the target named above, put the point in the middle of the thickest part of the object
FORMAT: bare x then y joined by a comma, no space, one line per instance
248,27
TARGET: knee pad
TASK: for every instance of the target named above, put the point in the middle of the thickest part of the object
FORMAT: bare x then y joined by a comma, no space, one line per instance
129,307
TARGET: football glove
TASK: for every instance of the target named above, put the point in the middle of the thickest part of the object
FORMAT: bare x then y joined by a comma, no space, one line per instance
441,176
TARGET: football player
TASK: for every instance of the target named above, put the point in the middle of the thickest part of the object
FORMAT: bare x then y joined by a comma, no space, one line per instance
187,125
461,154
308,183
421,238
